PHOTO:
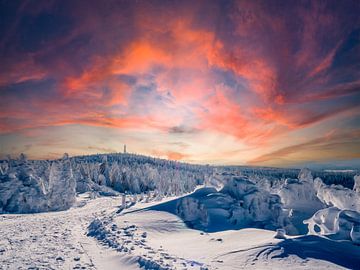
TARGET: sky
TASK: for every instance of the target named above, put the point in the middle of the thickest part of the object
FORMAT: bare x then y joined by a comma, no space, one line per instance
270,83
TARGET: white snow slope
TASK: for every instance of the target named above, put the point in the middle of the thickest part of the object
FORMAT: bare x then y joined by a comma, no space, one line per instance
97,234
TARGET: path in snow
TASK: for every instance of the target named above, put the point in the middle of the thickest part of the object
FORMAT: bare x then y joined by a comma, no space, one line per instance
56,240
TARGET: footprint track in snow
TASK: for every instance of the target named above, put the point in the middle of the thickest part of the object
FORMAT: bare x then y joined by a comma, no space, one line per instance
49,240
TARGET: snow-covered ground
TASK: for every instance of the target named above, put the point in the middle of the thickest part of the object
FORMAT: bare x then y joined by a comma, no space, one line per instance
57,240
161,240
135,212
96,234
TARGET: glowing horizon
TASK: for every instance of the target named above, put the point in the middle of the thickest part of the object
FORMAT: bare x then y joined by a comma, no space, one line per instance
269,83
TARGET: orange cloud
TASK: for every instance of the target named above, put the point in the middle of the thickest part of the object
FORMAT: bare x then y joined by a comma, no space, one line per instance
232,69
173,155
259,74
334,144
224,115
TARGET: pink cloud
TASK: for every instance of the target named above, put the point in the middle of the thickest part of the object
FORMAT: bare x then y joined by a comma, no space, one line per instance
254,72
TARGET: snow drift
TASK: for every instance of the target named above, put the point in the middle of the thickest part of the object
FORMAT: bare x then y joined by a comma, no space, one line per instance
299,194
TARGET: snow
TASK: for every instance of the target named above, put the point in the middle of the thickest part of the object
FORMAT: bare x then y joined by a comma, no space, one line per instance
57,240
193,212
323,221
29,186
355,233
280,234
124,211
338,196
357,183
48,186
335,223
253,205
305,175
93,234
300,201
230,208
170,244
129,173
299,195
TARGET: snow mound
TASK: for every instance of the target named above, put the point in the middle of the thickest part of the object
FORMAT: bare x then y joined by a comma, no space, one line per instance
192,212
338,196
253,205
280,234
340,224
26,188
239,188
240,204
299,195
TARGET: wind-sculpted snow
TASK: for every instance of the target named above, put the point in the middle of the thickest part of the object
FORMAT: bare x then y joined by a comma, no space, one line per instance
335,223
309,200
341,218
40,186
193,212
300,198
338,196
240,204
254,205
299,195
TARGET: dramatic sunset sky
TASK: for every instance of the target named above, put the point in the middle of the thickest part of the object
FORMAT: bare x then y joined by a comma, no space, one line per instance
220,82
